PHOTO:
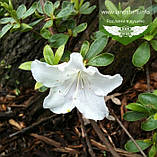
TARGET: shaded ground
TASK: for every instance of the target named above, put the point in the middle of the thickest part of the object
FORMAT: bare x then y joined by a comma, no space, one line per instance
27,129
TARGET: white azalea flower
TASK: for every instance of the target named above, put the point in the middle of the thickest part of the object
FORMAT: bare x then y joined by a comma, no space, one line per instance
73,85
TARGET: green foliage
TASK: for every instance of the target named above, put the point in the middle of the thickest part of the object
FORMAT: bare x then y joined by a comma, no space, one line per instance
144,144
79,28
101,60
26,66
96,47
59,54
154,44
57,40
145,107
141,55
84,48
48,55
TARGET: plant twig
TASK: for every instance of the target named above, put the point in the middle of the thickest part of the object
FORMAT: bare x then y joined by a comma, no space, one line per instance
126,131
103,138
42,5
91,152
31,126
148,77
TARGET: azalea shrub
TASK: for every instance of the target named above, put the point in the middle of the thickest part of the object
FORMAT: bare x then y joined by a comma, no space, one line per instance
144,108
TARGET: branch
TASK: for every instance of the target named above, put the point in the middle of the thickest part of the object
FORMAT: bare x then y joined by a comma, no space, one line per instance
126,131
103,138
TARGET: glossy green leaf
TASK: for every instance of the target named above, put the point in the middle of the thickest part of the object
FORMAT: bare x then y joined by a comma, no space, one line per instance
84,48
154,44
45,34
25,27
56,4
15,27
39,8
57,40
112,8
59,54
30,11
49,8
137,107
5,29
26,66
7,20
131,147
20,11
141,55
67,11
153,151
134,116
48,24
79,28
101,60
48,55
35,22
150,124
148,99
96,47
88,10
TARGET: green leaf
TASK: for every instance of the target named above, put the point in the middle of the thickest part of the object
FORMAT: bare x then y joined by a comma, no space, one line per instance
112,8
5,29
150,124
20,11
59,54
141,55
15,27
84,48
67,11
137,107
101,60
39,8
134,116
48,55
49,8
154,44
56,4
45,33
7,20
57,40
96,47
153,151
26,66
131,147
30,11
42,89
35,22
25,27
85,9
79,28
148,99
99,34
48,24
38,85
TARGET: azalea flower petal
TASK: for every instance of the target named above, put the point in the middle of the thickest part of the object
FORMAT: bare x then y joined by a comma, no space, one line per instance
75,63
91,105
102,84
47,74
60,99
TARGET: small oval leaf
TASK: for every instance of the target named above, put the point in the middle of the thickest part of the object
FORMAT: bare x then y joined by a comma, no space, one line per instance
48,55
141,55
134,116
101,60
26,66
131,147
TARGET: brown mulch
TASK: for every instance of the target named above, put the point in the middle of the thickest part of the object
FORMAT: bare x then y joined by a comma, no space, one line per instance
28,129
